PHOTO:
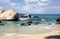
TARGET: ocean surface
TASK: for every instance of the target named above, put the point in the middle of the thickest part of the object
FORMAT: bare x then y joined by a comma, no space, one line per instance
16,27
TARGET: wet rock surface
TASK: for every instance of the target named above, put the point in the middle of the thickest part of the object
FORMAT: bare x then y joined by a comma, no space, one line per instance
58,20
53,37
27,23
35,16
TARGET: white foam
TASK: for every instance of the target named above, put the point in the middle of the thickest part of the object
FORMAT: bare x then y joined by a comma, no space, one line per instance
12,34
9,34
47,27
50,26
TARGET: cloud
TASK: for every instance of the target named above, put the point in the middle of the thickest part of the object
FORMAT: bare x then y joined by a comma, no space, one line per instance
14,4
44,0
8,4
1,7
31,1
53,10
35,6
5,1
32,6
41,6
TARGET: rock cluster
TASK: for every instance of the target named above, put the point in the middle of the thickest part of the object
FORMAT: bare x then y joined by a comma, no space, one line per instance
27,23
26,16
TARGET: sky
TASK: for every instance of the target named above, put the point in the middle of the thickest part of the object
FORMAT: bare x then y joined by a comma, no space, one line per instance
32,6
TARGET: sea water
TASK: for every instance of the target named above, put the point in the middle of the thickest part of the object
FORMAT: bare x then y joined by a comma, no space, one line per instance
16,27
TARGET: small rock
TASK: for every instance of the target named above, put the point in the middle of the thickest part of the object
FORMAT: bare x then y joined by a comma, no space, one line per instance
36,22
27,23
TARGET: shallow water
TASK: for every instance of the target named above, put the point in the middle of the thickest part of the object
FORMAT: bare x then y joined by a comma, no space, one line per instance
15,27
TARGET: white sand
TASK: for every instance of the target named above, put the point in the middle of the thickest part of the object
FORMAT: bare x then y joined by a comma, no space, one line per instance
34,33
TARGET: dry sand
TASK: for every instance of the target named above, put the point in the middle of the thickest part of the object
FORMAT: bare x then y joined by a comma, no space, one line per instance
33,36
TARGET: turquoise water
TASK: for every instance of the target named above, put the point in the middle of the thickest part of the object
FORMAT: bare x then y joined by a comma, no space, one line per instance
16,27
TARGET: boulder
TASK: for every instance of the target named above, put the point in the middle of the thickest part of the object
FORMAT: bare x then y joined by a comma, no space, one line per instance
35,16
58,20
28,15
1,23
8,15
27,23
53,37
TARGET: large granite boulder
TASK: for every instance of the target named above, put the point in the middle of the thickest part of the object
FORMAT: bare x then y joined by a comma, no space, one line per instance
8,15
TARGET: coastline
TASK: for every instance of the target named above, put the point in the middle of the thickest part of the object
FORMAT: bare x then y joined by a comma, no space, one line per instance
56,31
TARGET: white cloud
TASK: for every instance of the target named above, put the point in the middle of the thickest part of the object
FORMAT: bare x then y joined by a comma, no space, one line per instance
36,6
12,4
25,8
32,6
1,7
5,1
44,0
31,10
57,7
31,0
15,4
41,6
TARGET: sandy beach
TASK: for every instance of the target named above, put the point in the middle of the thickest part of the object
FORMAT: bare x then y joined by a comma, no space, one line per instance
56,31
36,36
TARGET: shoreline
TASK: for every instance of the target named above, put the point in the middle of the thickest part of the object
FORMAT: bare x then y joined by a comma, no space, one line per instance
32,36
32,32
